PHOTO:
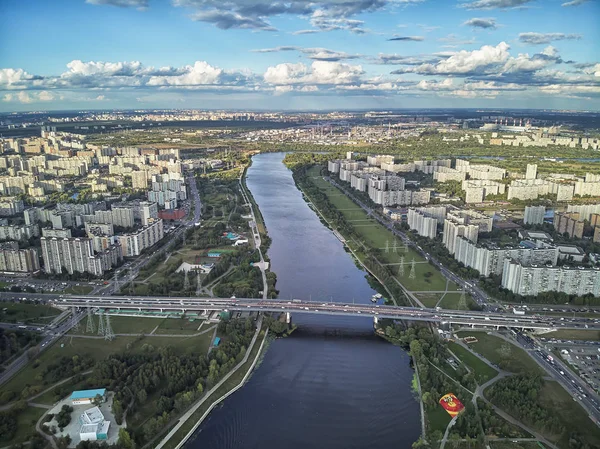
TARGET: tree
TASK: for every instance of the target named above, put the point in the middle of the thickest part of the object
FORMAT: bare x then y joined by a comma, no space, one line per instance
125,440
98,399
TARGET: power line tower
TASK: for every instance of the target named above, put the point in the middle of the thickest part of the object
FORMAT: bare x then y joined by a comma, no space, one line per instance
90,328
413,273
186,281
387,246
401,267
405,247
462,302
100,324
395,249
108,332
75,321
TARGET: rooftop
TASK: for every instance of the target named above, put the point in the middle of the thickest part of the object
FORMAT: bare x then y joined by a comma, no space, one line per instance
84,394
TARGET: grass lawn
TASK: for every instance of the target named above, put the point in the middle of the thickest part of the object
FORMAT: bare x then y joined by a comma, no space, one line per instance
122,325
25,425
78,289
49,397
483,372
429,299
17,312
451,301
100,349
375,235
179,325
573,334
437,419
231,382
514,360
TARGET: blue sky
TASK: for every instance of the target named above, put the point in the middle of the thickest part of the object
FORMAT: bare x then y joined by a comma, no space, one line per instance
299,54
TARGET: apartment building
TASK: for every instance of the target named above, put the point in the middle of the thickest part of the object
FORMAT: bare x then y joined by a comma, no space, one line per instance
15,260
531,279
534,215
134,243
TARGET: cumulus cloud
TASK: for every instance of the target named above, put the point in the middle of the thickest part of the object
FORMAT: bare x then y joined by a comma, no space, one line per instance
487,61
407,38
533,38
201,73
319,72
479,22
15,78
300,32
140,4
495,4
28,97
575,3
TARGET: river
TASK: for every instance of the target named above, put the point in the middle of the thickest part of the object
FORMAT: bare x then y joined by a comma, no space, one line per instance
332,383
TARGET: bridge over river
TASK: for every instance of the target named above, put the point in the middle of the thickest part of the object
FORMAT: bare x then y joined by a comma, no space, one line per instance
124,304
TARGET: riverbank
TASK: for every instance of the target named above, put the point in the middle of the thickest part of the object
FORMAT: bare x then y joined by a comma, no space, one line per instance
179,435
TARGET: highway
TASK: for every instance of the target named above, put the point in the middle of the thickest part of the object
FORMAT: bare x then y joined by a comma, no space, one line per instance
572,383
183,304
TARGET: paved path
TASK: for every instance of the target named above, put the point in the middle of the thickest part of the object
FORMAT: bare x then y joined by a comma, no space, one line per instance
447,432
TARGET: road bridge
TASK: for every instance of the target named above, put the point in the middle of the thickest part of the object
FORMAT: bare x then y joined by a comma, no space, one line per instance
123,304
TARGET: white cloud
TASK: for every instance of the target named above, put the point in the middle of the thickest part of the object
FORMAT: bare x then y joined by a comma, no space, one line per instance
575,3
25,97
14,78
201,73
319,72
495,4
481,22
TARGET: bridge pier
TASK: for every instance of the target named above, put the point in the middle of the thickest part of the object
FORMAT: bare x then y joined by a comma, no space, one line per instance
288,318
375,322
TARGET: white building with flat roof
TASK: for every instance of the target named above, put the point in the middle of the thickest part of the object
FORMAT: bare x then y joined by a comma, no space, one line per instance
534,214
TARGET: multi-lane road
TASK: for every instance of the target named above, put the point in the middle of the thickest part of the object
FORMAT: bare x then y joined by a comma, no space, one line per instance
183,304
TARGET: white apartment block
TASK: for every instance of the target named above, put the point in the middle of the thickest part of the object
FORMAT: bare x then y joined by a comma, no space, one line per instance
491,260
585,210
430,167
11,206
333,166
529,280
19,232
380,159
587,188
77,255
424,220
534,214
134,243
452,232
443,174
15,260
472,217
531,172
397,168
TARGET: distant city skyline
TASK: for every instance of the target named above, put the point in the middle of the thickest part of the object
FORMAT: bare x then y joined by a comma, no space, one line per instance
299,54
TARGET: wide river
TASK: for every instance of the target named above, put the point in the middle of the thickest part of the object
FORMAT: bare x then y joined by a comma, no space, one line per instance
332,383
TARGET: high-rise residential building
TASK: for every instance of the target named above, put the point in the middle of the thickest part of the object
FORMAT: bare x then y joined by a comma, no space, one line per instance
134,243
534,214
585,211
569,223
23,232
531,171
596,238
530,280
454,230
77,255
423,223
491,260
13,259
139,180
11,206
